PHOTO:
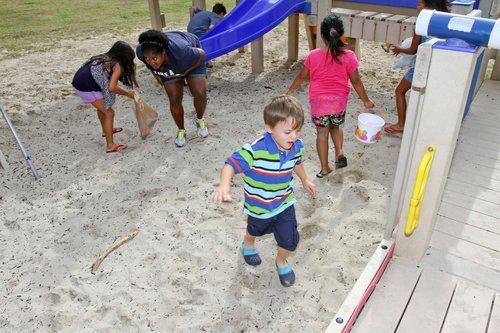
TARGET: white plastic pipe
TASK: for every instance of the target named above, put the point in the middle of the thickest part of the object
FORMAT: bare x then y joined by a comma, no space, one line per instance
473,30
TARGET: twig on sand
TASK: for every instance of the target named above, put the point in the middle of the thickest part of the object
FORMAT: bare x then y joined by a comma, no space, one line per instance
113,247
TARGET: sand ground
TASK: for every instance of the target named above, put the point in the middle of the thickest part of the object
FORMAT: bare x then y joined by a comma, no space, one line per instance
184,271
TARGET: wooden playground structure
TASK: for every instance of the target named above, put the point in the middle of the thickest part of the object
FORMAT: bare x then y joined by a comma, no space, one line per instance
437,268
385,21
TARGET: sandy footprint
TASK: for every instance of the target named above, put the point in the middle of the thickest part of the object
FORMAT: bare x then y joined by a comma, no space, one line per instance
310,231
150,193
354,198
348,176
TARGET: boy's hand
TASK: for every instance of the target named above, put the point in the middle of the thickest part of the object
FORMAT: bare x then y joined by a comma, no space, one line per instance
310,187
396,50
221,194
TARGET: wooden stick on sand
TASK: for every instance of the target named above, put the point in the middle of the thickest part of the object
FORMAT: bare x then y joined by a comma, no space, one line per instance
113,247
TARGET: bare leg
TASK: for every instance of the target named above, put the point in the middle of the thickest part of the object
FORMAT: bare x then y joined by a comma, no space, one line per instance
198,87
401,90
175,93
322,148
337,135
249,241
281,257
106,118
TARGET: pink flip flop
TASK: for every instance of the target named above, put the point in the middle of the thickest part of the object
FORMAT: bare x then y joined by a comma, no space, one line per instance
116,148
115,130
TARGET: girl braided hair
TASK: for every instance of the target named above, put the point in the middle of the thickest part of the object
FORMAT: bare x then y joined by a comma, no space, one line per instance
332,29
120,53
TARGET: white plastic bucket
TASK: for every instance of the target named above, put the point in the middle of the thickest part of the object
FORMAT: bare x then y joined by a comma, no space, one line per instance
369,127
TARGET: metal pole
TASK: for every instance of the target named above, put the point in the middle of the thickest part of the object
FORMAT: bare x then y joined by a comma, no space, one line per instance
13,130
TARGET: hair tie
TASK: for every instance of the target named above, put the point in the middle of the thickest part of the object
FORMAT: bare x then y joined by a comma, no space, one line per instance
332,30
151,42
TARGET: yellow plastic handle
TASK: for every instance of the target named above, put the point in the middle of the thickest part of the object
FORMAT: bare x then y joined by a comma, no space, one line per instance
419,189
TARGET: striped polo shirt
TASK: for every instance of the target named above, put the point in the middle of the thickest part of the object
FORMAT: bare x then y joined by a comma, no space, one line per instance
267,175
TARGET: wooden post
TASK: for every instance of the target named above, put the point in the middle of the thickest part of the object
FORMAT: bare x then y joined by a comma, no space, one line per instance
293,37
324,9
202,4
311,36
353,45
242,49
258,55
155,15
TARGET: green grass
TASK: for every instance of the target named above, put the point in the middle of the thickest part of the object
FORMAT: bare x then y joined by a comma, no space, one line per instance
39,25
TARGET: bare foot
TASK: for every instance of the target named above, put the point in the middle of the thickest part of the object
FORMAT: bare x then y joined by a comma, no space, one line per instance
393,129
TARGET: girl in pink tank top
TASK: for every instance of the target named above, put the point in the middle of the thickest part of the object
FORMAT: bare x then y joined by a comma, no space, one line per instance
331,70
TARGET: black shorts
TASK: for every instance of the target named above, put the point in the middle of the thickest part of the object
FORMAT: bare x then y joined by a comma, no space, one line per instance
283,226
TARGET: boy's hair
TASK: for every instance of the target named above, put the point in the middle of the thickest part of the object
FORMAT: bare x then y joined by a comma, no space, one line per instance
439,5
153,41
281,108
332,28
219,8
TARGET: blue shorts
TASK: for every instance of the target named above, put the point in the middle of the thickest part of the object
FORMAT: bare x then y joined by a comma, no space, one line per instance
409,74
200,71
283,226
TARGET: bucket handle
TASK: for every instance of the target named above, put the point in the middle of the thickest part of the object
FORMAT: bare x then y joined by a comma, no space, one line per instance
364,109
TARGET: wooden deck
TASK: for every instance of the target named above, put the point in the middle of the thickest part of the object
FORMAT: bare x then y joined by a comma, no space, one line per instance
456,287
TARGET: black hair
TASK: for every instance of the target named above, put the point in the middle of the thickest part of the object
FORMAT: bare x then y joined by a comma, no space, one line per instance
153,41
439,5
219,8
123,54
332,29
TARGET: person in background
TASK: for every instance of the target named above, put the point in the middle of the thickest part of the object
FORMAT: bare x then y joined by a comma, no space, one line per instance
405,84
330,69
203,20
173,57
96,82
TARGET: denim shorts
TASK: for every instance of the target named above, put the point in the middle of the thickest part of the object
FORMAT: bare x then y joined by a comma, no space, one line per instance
409,74
334,119
283,226
200,71
89,97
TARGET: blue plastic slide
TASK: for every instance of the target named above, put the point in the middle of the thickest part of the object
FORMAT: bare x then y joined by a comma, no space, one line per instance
249,20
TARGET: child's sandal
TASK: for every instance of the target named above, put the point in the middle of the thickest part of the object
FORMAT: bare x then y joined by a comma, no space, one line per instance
341,162
286,275
250,255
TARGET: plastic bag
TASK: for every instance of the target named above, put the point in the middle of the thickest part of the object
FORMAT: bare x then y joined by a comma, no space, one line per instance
404,60
146,116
